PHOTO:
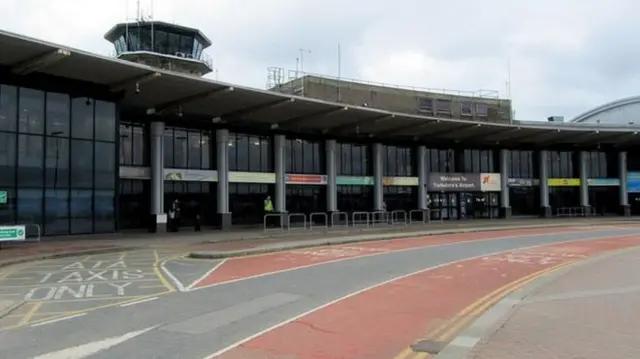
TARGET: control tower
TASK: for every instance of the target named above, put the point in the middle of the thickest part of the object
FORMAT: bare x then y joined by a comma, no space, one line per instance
163,45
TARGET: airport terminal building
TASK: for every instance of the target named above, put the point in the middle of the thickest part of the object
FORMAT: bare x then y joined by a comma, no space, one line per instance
91,144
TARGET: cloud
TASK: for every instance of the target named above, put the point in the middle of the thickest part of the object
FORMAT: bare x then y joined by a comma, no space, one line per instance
565,56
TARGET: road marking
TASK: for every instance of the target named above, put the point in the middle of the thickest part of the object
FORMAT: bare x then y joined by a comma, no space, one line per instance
173,278
280,271
92,348
328,304
206,274
32,311
137,302
58,320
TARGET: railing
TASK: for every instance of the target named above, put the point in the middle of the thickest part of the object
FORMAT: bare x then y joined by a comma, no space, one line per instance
359,220
574,211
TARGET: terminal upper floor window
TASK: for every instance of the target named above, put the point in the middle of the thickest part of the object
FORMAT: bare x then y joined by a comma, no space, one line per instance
186,148
133,145
250,153
561,164
602,164
482,110
303,156
442,160
353,159
397,161
521,164
476,161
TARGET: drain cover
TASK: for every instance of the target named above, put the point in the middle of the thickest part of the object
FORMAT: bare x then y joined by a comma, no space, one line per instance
429,346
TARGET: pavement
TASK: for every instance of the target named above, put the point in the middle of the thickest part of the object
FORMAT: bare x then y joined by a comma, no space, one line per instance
585,311
358,300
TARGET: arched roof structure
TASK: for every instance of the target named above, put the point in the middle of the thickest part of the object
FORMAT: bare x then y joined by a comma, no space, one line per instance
623,111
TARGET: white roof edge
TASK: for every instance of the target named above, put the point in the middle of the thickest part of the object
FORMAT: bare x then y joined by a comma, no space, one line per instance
607,106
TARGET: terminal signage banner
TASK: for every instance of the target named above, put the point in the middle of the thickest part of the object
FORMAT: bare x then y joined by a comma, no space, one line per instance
633,182
463,182
563,182
13,233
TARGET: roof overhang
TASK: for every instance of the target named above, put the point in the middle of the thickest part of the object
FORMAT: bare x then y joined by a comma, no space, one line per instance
157,92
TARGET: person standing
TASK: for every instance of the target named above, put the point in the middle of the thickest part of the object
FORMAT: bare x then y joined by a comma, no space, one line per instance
268,209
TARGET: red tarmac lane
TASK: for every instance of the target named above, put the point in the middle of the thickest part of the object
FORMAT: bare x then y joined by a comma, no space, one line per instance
383,321
234,269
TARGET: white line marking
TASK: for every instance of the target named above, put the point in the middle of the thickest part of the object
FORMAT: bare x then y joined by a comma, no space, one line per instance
58,320
377,254
92,348
206,274
173,278
293,319
137,302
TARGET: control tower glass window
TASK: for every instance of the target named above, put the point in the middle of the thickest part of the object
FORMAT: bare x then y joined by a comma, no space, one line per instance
161,41
174,44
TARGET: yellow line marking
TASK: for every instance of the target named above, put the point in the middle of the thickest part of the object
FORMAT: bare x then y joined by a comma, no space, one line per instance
155,255
27,317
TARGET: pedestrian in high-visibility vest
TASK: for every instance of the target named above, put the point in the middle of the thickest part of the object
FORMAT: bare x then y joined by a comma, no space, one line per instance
268,209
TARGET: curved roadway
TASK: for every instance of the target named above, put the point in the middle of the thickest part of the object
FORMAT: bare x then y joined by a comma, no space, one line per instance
211,320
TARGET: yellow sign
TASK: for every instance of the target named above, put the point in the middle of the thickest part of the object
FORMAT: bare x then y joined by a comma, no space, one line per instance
252,177
563,182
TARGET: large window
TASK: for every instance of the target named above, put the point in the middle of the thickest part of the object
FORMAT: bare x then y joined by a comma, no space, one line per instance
353,160
561,164
302,156
602,164
187,149
249,153
442,160
57,161
521,164
476,161
397,161
133,151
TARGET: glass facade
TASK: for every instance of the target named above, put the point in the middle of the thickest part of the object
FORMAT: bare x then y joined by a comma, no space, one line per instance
133,145
58,155
188,149
250,153
160,39
354,160
304,157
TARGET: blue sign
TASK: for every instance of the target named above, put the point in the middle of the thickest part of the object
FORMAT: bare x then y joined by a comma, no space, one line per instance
633,182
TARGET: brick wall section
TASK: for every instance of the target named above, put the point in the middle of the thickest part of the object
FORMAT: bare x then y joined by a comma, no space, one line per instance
401,100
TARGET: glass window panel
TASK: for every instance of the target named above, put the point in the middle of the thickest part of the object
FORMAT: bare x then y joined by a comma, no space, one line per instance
255,149
186,45
126,145
168,148
195,150
82,118
205,161
104,204
318,159
288,155
161,41
30,161
8,210
105,121
134,41
57,162
105,165
242,142
81,164
233,153
138,147
180,149
145,39
81,211
173,45
29,205
56,211
58,114
8,107
31,111
7,159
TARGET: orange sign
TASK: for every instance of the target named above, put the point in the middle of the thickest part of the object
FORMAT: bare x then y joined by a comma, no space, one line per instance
306,179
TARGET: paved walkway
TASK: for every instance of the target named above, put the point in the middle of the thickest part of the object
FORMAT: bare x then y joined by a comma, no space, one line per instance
589,312
246,240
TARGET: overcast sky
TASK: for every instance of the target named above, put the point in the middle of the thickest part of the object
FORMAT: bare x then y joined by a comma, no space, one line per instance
566,56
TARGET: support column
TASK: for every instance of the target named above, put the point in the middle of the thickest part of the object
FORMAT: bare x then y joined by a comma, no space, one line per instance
279,166
378,192
583,158
625,210
545,209
222,165
332,190
158,221
422,178
505,205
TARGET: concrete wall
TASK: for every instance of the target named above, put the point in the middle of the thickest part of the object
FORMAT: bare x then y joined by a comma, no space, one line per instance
400,100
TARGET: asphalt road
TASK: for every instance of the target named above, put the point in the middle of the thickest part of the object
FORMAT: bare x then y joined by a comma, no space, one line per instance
199,323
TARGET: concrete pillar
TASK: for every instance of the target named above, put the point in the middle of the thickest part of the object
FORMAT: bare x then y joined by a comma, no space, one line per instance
222,165
583,168
505,205
378,192
279,166
625,210
545,209
422,177
159,217
332,190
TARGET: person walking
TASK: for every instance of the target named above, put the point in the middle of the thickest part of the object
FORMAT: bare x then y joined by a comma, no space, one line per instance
268,209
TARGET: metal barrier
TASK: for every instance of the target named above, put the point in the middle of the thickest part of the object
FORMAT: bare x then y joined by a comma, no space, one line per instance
266,222
440,217
399,217
591,211
297,215
573,211
356,219
419,213
31,236
379,217
339,215
325,220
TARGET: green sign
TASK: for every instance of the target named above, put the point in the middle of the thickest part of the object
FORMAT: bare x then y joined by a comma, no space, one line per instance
3,197
12,233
